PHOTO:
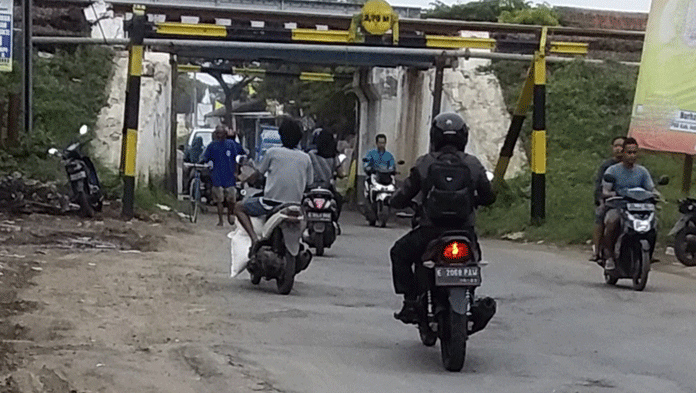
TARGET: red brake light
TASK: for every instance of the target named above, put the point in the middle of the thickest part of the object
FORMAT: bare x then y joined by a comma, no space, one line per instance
456,251
319,203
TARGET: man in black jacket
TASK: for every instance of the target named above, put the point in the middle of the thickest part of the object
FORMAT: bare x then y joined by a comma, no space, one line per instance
449,135
600,208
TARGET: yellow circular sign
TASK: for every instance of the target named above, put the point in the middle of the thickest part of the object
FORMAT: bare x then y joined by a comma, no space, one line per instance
377,17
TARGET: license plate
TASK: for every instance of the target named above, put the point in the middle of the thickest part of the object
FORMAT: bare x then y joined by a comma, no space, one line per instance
78,176
457,276
640,207
319,216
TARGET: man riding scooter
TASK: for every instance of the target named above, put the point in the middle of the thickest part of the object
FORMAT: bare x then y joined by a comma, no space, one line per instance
628,175
288,173
449,135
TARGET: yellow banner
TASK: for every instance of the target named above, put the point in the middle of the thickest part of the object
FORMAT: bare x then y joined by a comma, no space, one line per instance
664,109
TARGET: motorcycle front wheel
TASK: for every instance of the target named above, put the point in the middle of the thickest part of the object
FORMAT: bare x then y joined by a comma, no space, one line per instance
685,246
640,276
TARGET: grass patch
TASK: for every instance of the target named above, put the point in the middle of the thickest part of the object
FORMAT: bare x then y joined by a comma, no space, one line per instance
587,105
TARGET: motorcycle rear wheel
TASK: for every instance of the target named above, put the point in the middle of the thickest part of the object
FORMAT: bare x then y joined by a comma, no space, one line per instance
86,209
685,253
319,243
287,278
453,335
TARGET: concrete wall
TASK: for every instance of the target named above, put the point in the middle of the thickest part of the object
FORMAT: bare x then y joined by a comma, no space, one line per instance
154,118
401,107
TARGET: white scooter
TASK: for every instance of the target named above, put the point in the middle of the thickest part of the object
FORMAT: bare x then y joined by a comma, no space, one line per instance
379,186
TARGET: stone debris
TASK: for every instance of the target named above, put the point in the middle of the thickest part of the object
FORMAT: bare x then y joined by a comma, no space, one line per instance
22,195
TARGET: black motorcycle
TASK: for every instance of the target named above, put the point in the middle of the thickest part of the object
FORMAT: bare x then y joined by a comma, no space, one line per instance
447,281
636,242
84,182
684,233
321,212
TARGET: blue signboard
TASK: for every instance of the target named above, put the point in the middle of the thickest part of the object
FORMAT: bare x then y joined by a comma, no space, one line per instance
6,11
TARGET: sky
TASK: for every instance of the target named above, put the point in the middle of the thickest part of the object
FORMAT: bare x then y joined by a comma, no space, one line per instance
618,5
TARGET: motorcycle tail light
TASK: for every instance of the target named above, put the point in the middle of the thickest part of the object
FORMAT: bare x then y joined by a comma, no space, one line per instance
456,252
319,203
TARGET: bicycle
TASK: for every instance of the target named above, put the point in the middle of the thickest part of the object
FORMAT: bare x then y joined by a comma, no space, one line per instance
195,191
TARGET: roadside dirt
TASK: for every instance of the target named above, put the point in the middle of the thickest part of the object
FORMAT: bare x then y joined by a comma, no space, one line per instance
105,305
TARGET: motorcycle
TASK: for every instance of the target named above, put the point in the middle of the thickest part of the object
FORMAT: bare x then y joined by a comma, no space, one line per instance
447,281
684,233
636,242
448,310
321,211
84,182
380,185
280,253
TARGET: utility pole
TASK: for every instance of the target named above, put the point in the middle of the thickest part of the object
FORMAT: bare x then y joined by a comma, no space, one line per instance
27,20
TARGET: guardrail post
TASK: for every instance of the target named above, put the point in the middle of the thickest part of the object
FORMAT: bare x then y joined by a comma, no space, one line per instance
539,135
129,142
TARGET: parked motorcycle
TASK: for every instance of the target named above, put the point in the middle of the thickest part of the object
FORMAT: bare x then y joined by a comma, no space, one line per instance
684,232
84,182
380,185
321,211
635,245
280,253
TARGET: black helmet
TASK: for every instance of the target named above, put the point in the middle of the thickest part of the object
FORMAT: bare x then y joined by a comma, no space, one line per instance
449,129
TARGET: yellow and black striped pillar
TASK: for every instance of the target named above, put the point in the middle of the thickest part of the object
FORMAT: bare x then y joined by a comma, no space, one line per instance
523,102
539,140
129,140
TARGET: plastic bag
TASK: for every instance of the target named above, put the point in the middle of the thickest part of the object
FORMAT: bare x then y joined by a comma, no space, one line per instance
240,243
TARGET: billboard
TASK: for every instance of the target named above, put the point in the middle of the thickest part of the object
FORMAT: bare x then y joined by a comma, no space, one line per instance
664,109
6,11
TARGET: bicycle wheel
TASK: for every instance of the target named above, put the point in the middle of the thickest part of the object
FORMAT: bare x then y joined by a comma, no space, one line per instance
195,198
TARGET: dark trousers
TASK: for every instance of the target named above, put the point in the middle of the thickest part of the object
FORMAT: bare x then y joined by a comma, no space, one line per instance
409,250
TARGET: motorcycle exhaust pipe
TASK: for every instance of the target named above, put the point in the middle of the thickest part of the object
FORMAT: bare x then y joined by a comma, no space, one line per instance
482,311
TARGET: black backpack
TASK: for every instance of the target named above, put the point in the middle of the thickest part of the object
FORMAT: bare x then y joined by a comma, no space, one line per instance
448,190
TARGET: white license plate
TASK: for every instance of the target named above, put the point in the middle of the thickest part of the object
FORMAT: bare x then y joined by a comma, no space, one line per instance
640,207
319,216
78,176
457,275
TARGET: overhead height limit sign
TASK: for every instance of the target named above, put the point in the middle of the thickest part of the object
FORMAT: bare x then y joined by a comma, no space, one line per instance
6,10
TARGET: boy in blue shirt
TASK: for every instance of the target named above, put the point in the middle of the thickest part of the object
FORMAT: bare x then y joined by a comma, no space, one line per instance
223,153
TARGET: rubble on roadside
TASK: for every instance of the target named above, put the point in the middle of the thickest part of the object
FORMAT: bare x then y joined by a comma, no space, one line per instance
19,194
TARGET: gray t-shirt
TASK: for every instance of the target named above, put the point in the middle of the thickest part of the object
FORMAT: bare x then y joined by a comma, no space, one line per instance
626,178
289,172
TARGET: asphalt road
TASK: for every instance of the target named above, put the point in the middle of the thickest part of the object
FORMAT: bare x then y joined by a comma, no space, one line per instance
559,328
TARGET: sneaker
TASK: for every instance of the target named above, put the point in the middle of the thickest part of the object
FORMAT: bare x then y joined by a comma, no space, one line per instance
609,264
408,313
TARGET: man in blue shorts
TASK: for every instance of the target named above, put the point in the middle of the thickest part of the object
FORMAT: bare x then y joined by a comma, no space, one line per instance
223,153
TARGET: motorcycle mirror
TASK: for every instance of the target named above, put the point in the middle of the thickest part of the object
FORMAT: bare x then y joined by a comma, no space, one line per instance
83,130
609,178
663,181
401,162
53,151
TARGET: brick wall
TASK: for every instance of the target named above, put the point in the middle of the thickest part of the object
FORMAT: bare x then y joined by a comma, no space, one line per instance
596,19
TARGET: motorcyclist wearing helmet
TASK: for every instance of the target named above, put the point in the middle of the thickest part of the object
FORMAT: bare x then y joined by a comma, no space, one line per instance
449,135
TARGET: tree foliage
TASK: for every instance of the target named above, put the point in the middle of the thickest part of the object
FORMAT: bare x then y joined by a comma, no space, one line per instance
330,104
481,11
542,15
